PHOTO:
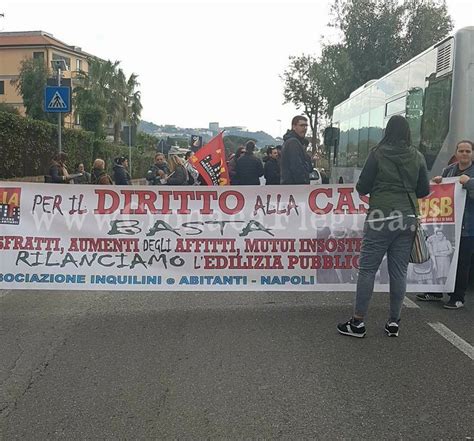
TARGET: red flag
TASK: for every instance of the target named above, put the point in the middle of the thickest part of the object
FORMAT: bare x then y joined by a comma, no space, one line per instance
210,162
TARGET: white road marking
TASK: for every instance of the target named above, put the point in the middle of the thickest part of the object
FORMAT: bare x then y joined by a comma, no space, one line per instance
410,303
454,339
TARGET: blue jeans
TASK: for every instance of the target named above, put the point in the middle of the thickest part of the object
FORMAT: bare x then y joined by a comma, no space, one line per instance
394,237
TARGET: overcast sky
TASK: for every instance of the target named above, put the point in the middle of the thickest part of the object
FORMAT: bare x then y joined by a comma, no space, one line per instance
197,61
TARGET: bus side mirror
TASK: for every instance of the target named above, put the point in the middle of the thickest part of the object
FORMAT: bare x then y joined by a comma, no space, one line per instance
331,136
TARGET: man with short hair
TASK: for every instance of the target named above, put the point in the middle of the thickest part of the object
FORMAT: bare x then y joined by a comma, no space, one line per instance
295,162
464,168
271,169
249,168
158,171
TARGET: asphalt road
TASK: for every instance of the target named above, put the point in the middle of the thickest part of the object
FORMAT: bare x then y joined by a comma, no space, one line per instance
116,365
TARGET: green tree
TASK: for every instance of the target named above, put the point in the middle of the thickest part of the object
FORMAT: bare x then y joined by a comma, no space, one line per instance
147,142
92,118
379,35
131,106
302,87
336,76
372,31
105,89
427,22
30,85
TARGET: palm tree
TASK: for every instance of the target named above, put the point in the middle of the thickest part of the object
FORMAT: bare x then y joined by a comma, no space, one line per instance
105,85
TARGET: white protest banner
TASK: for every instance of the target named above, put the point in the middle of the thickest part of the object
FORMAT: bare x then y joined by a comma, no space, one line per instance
82,237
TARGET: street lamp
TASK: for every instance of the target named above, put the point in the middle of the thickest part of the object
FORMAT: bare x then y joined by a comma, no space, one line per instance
279,133
59,66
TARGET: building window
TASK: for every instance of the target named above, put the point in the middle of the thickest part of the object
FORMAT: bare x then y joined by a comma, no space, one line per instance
78,64
38,55
2,87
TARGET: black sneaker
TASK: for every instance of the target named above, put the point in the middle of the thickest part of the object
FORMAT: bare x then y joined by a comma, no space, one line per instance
454,304
391,328
429,297
354,328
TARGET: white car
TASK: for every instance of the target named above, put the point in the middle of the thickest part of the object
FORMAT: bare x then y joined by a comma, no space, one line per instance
315,177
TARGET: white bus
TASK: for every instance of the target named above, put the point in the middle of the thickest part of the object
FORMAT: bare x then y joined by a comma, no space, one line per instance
434,91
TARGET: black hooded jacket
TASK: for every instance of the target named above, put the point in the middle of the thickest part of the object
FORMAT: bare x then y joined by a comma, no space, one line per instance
121,175
295,162
249,169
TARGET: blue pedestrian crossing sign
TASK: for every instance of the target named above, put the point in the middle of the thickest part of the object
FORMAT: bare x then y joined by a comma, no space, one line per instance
57,99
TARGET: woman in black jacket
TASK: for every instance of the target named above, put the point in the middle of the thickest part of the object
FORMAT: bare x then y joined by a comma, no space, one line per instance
395,176
121,174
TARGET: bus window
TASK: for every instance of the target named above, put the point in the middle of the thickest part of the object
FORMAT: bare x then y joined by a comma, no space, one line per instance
435,121
342,148
414,113
376,125
353,143
363,139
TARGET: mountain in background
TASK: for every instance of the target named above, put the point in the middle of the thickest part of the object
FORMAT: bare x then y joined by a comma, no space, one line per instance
262,139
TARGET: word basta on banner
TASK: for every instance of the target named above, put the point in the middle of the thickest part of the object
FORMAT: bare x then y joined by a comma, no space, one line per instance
81,237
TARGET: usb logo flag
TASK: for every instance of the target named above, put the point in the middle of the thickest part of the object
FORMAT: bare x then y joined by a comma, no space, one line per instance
210,162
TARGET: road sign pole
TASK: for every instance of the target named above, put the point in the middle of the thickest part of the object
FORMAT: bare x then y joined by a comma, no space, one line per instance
59,117
130,148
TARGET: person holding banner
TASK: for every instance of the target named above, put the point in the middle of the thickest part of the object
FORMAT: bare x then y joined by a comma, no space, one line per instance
395,176
158,171
99,175
58,173
464,168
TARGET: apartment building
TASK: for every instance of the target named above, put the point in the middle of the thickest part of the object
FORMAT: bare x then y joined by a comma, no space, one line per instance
16,46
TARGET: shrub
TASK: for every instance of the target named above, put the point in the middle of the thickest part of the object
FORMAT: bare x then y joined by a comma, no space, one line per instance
27,146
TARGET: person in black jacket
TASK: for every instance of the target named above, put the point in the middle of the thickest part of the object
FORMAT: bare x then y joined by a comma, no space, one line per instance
395,176
249,168
121,175
158,171
58,173
295,162
271,169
